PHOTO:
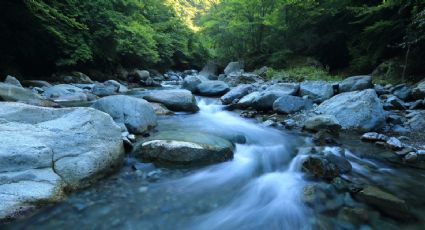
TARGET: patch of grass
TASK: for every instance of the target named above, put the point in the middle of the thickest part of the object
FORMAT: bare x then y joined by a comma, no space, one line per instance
303,73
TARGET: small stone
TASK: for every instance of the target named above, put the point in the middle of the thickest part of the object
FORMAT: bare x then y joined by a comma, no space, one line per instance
394,143
373,137
411,157
403,152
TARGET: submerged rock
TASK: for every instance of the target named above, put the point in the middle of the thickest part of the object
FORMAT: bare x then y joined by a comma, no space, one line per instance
136,114
47,151
358,110
385,202
178,100
173,148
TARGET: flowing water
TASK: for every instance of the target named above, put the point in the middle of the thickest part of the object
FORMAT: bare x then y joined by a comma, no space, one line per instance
261,188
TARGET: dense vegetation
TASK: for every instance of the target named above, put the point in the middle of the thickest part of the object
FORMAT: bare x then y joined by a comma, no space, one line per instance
353,36
49,35
342,34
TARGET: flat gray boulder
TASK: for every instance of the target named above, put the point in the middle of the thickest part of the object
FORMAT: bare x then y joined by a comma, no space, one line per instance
358,110
174,148
212,88
318,91
355,83
65,93
290,104
135,113
48,151
178,100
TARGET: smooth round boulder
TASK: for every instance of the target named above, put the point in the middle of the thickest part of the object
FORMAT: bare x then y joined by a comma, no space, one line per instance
135,113
290,104
65,92
191,83
185,149
212,88
177,100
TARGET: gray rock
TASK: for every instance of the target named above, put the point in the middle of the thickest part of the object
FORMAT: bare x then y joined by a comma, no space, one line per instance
64,92
233,67
107,88
139,75
36,83
358,110
137,114
212,88
76,77
160,109
173,148
47,151
322,122
374,137
237,78
178,100
402,91
191,83
318,91
236,93
319,167
13,81
394,103
10,92
384,201
209,71
416,120
394,143
285,88
418,92
121,88
290,104
248,100
355,83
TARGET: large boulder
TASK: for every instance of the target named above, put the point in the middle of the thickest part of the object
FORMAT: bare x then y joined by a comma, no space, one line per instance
10,92
45,152
64,92
191,83
173,148
290,104
76,77
233,67
266,99
402,91
419,91
355,83
358,110
318,91
12,80
237,78
209,71
138,75
248,100
416,120
212,88
178,100
136,114
236,93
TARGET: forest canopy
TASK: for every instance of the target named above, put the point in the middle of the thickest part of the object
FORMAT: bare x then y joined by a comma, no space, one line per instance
353,36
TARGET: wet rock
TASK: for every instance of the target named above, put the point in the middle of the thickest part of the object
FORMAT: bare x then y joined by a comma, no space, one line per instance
191,83
46,151
394,119
212,88
248,100
249,114
12,81
160,109
394,143
384,201
419,104
416,120
322,122
411,157
136,114
120,87
318,91
404,151
106,89
325,137
418,92
358,110
343,165
233,67
178,100
381,90
290,104
236,93
355,83
319,167
173,148
356,216
285,88
373,137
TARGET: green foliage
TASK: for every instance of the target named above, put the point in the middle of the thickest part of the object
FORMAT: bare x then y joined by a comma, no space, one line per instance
301,73
105,34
